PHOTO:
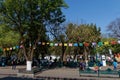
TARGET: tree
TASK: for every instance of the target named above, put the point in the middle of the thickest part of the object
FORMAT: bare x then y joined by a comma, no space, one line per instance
84,33
114,28
31,18
60,49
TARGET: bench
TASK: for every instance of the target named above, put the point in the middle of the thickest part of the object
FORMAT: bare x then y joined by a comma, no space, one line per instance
99,73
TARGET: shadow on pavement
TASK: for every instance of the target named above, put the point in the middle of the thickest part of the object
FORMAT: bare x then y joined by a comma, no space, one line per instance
17,78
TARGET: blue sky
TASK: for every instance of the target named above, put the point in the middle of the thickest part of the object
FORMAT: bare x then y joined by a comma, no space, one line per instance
99,12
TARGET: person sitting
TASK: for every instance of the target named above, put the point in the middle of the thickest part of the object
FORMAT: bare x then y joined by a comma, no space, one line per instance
82,65
115,64
95,68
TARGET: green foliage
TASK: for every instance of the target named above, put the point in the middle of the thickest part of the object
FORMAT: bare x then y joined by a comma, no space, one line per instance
8,37
31,19
30,15
83,33
104,49
116,48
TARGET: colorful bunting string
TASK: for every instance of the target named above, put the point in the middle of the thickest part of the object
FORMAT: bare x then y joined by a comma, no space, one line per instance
65,44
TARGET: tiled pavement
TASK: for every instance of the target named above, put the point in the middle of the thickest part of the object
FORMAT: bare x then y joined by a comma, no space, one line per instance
52,74
73,74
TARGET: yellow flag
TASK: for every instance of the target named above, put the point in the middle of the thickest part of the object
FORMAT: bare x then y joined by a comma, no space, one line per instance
106,43
8,49
47,43
65,44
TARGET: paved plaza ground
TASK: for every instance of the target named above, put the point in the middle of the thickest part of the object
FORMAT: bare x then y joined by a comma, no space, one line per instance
6,73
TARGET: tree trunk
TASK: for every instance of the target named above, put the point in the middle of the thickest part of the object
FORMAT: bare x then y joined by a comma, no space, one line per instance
75,55
63,53
29,55
85,53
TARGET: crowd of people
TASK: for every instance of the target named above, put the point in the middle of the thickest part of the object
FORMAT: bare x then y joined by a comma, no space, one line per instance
91,63
95,64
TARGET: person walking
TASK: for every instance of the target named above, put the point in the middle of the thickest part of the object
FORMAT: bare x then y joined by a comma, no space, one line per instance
14,64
